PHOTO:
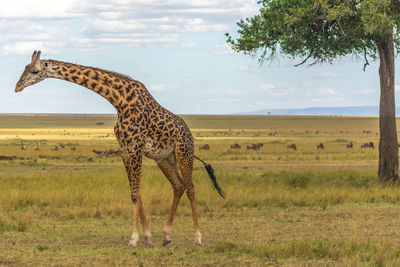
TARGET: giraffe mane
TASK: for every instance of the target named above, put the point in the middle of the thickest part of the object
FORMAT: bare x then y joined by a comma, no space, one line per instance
112,73
115,74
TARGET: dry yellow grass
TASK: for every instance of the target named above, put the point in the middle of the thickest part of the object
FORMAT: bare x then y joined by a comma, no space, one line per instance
283,207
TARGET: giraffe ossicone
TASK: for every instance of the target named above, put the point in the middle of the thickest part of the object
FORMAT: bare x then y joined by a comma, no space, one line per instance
143,128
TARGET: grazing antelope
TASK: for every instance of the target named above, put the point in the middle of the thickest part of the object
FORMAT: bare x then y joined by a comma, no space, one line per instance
320,146
292,146
61,144
36,148
54,148
371,144
23,147
349,145
205,147
254,146
235,146
73,148
367,145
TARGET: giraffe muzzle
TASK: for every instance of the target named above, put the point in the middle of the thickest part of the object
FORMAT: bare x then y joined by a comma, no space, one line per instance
19,88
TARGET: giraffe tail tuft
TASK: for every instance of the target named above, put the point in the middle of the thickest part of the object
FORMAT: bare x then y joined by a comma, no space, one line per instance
210,172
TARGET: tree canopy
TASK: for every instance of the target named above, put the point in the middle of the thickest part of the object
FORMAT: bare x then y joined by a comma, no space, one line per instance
318,30
323,30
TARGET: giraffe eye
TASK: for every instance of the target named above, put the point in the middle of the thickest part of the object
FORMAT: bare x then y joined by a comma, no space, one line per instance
35,72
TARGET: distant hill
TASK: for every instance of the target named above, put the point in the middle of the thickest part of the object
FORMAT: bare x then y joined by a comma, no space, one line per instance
327,111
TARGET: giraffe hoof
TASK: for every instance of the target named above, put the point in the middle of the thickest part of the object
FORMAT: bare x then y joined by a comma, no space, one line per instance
148,245
200,245
166,242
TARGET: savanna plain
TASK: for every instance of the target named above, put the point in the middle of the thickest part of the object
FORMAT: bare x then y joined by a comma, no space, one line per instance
284,207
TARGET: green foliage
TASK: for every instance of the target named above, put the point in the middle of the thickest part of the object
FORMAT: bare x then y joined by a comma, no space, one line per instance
318,29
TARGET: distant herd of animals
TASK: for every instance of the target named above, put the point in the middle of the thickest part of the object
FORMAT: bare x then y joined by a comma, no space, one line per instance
252,146
257,146
44,142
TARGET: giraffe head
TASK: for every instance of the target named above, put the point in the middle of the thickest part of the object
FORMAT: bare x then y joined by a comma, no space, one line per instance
33,73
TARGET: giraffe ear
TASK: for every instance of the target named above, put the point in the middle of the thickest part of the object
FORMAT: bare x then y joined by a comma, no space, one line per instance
36,61
33,56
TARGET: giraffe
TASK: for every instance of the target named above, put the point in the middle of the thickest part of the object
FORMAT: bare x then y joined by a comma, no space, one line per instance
143,128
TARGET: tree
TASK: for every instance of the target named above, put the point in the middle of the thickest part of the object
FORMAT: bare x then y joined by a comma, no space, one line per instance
324,30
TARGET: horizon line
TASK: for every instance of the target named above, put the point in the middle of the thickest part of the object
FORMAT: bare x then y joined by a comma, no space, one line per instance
192,114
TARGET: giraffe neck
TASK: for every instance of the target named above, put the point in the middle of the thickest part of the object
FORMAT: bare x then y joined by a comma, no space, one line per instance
120,90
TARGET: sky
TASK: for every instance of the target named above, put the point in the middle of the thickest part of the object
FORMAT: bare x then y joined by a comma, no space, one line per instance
177,48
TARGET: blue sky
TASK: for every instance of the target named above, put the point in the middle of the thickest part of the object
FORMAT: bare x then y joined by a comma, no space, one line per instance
176,48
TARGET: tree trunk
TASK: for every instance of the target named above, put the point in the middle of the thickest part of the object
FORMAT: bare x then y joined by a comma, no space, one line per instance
388,147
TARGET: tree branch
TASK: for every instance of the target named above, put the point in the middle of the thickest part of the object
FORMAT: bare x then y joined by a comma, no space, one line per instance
328,20
305,60
366,63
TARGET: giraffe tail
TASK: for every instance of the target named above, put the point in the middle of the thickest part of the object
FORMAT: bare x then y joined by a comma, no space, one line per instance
210,172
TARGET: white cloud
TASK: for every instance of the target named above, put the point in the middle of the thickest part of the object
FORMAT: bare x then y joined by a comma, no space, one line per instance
327,91
251,68
188,45
306,83
366,91
211,92
221,49
43,9
162,87
199,81
115,26
221,100
327,101
234,93
277,90
284,89
21,48
188,70
330,75
88,24
265,88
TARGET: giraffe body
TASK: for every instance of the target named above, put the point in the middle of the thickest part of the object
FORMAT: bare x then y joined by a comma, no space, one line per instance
143,128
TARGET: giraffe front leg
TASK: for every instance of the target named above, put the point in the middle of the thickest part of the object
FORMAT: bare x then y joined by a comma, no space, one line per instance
135,235
133,165
138,211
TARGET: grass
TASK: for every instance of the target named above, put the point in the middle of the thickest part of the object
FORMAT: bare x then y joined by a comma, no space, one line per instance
283,207
82,193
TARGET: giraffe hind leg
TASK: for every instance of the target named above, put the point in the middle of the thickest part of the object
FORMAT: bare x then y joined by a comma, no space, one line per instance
185,156
147,234
168,167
